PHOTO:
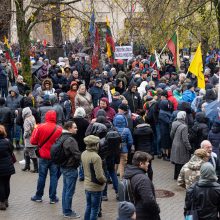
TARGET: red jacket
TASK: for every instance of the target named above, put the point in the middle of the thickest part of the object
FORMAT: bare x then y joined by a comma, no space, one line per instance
41,133
172,99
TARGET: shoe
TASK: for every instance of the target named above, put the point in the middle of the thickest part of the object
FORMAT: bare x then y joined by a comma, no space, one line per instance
35,163
166,159
34,171
73,215
81,179
26,169
53,201
159,156
2,206
100,214
104,198
36,199
109,181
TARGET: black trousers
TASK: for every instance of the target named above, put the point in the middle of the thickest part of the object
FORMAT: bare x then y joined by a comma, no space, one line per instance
4,187
177,169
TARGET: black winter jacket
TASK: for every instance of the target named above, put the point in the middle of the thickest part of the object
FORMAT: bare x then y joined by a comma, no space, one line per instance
143,189
6,163
206,200
143,138
214,137
6,116
134,100
71,151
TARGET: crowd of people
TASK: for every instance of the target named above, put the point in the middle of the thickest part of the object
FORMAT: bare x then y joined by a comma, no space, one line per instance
112,122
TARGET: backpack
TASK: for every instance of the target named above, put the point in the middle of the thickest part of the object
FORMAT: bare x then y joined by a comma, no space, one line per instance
125,192
57,152
113,139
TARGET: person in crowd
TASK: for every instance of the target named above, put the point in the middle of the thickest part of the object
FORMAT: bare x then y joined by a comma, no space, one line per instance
164,116
6,168
13,102
6,117
190,172
53,69
143,189
204,195
69,168
120,86
181,148
22,86
46,88
95,180
133,98
44,136
126,211
59,81
65,103
29,151
143,141
120,123
214,136
82,125
3,82
84,99
72,94
189,94
104,104
96,92
197,102
116,101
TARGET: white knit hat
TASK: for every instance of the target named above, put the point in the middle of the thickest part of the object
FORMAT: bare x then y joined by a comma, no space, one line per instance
80,112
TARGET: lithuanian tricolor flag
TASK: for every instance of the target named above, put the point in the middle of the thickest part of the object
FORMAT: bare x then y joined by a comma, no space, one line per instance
173,46
9,56
110,42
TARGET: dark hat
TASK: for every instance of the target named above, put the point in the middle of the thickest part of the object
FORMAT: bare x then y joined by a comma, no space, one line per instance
190,85
125,210
123,107
98,81
164,93
174,73
116,94
149,98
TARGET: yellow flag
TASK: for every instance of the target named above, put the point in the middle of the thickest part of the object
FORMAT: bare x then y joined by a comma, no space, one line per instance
196,68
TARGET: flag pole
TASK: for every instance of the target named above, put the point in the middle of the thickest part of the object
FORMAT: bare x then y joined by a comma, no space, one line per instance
160,54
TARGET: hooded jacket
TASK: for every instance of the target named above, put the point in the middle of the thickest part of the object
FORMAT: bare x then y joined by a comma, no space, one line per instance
172,99
190,172
110,112
121,124
97,93
188,96
90,158
29,124
144,193
13,102
41,133
72,94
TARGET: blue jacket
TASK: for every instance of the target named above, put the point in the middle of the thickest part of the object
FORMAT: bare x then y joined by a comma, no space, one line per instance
3,78
188,96
120,123
96,93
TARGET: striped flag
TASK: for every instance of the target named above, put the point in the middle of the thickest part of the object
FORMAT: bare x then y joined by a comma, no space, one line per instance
9,56
110,42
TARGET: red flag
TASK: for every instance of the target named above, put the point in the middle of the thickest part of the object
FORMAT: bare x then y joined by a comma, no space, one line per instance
96,48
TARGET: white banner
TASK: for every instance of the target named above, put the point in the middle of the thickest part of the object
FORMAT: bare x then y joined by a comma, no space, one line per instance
123,52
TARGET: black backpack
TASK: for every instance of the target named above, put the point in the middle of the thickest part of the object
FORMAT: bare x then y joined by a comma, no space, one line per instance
57,151
125,192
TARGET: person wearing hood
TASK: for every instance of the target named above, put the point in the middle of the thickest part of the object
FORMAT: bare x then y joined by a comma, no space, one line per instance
190,172
122,77
189,94
172,99
143,189
126,211
46,88
72,94
204,194
180,151
143,141
214,136
29,150
95,180
197,102
133,98
13,102
69,168
120,123
84,99
104,104
96,92
199,130
39,137
66,105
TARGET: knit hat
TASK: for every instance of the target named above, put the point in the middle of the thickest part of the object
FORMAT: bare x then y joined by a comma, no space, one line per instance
80,112
200,153
123,107
101,112
116,94
190,85
164,93
181,115
125,210
91,140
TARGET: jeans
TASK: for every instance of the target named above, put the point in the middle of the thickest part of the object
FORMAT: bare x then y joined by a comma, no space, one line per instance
4,188
44,166
4,92
69,184
81,172
93,201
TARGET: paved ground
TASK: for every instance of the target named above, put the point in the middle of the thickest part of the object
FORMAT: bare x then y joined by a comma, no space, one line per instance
23,186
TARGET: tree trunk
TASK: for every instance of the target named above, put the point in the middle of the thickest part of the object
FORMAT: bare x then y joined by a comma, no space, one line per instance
205,48
57,28
24,42
5,8
217,13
